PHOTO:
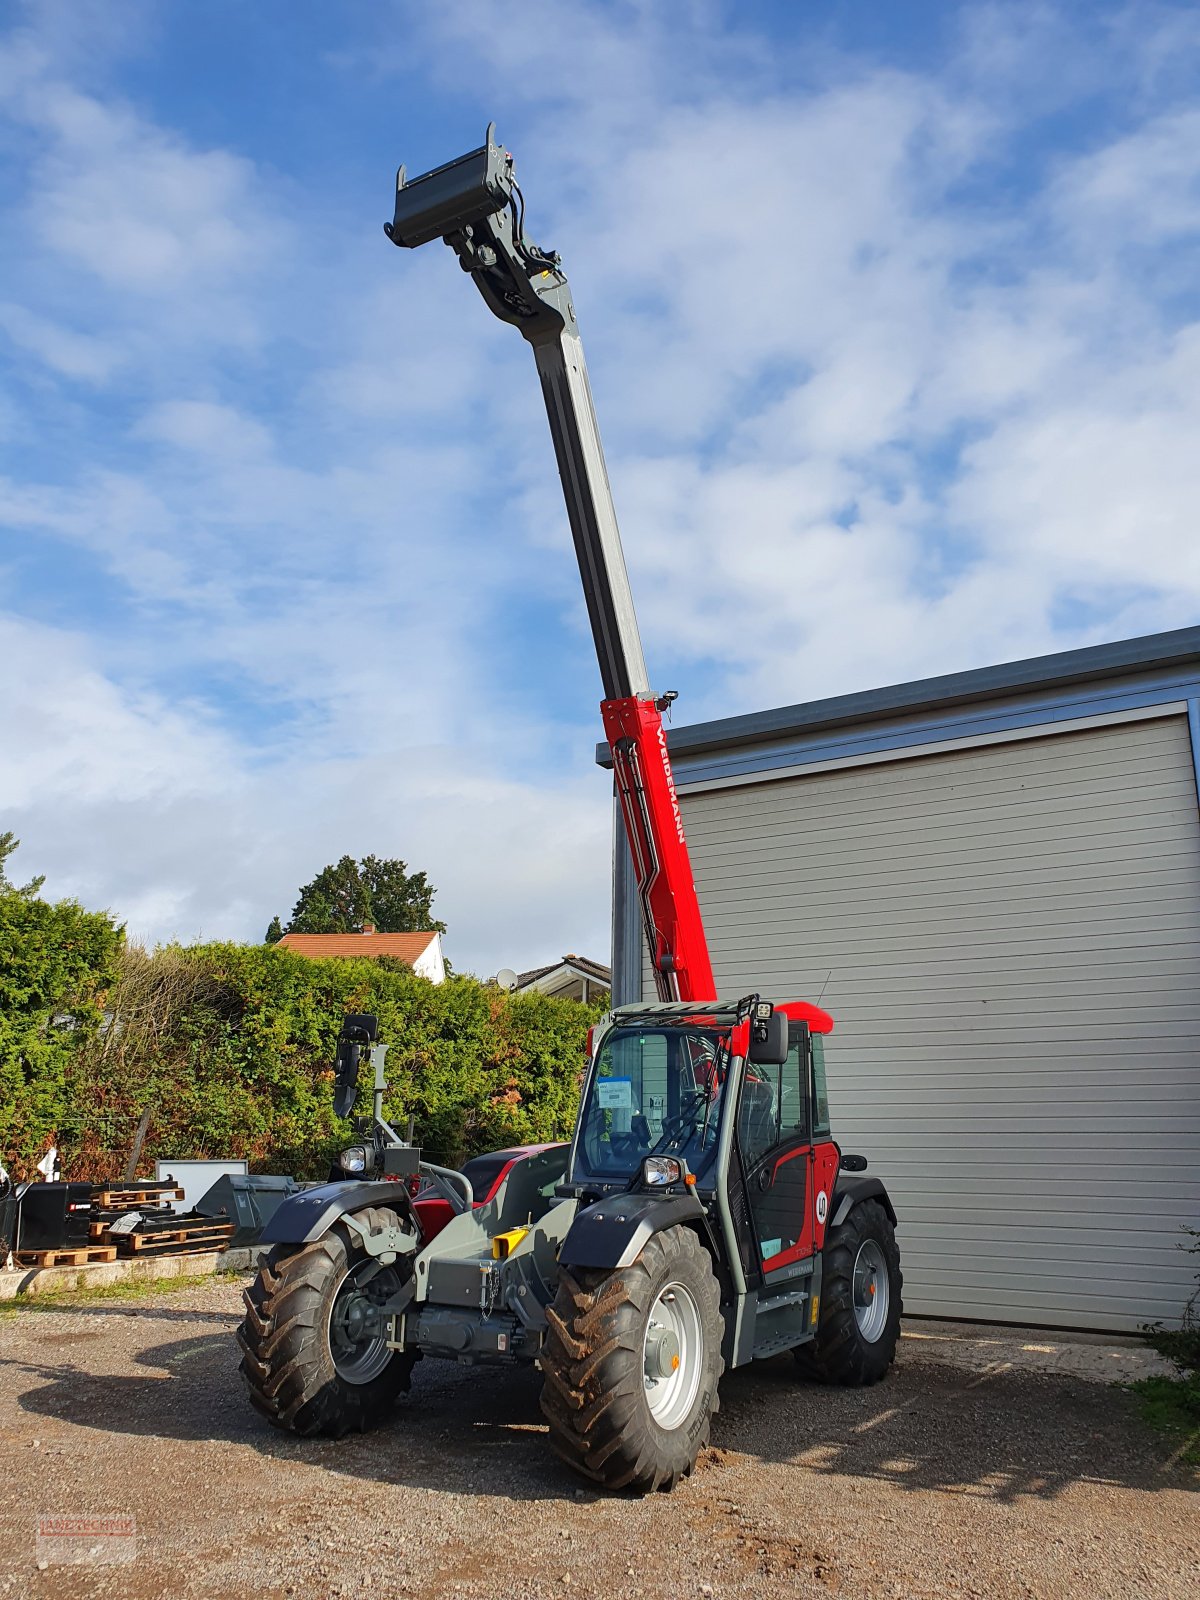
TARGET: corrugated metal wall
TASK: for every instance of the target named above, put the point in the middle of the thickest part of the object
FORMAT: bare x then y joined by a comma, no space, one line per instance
1009,939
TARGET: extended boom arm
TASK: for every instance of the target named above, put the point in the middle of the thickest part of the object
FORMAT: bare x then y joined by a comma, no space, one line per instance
476,207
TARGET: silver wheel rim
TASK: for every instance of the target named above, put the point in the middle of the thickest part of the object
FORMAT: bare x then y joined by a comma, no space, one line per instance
357,1359
872,1291
672,1356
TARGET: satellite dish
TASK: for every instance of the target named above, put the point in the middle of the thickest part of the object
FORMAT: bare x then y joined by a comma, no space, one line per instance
506,978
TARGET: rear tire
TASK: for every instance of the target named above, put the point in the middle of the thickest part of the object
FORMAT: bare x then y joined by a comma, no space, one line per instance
304,1372
860,1302
631,1365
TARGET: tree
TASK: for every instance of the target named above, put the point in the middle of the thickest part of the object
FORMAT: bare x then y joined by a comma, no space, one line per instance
400,901
8,843
343,897
274,931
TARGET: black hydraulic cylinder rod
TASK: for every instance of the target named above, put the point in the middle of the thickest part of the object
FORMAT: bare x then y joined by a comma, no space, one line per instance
475,206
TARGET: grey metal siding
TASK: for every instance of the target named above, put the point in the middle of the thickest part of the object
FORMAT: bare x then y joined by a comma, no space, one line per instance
1009,939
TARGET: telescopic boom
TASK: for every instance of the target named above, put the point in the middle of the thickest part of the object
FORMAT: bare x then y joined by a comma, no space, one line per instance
476,207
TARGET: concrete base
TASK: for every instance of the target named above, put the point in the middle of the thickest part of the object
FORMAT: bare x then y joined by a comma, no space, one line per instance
27,1281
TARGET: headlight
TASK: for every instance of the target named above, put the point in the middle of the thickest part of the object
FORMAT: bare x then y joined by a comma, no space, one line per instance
354,1159
661,1170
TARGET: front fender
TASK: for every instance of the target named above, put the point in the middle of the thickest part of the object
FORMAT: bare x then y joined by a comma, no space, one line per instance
306,1216
614,1231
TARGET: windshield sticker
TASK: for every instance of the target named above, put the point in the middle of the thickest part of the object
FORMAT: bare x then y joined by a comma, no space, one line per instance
614,1094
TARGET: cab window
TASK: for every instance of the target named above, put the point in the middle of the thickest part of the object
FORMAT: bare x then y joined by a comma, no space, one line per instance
773,1105
820,1092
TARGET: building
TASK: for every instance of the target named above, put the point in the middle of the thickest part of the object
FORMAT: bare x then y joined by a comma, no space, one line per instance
421,951
572,978
992,880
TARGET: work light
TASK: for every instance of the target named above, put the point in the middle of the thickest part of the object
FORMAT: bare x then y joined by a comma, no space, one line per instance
658,1171
354,1159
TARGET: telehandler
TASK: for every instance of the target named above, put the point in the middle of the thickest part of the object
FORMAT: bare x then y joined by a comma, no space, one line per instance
702,1216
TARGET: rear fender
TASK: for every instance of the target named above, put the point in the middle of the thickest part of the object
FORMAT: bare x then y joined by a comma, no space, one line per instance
614,1231
850,1190
310,1214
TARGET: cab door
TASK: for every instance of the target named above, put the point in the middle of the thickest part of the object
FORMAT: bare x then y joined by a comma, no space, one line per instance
775,1143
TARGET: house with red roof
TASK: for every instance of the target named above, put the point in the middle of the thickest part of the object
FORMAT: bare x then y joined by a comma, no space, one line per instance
421,951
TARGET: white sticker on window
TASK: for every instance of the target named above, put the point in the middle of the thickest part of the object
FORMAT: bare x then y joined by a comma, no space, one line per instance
613,1094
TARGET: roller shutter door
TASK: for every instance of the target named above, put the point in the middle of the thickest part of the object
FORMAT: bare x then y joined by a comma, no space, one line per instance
1009,939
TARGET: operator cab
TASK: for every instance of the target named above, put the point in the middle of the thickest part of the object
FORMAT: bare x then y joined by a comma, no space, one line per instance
656,1090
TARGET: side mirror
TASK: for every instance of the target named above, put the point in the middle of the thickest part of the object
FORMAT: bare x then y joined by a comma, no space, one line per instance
854,1163
769,1041
358,1031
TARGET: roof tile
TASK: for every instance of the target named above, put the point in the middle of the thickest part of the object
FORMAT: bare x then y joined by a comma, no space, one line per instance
407,946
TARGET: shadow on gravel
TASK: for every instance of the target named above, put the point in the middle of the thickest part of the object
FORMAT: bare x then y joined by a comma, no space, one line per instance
996,1435
462,1430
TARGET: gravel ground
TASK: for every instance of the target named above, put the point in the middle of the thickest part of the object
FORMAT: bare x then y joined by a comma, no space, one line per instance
989,1464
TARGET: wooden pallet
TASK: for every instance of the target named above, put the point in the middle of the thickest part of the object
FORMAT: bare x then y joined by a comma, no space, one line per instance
176,1241
135,1197
81,1257
213,1249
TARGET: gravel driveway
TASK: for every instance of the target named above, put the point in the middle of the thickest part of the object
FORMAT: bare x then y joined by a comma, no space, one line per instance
989,1464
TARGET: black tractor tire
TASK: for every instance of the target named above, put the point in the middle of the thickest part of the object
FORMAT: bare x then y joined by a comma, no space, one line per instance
842,1353
605,1329
287,1353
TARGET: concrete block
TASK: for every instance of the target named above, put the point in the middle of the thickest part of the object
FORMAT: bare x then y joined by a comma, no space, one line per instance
28,1281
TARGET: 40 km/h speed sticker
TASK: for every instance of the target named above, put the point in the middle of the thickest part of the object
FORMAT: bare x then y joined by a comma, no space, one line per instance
822,1206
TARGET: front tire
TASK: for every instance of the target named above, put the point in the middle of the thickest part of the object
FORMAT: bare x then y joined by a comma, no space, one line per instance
860,1302
631,1365
305,1369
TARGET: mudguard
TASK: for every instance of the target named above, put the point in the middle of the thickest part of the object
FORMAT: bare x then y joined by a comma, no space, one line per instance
308,1215
614,1231
851,1190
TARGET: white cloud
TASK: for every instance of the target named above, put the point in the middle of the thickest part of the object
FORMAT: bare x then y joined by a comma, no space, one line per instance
125,801
209,429
66,350
135,205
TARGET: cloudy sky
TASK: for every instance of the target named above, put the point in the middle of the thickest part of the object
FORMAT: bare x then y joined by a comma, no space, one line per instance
892,313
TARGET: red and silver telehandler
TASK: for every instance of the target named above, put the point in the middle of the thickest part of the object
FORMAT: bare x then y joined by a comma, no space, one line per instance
702,1215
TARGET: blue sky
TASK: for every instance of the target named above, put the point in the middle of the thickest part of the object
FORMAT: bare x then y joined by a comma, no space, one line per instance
892,317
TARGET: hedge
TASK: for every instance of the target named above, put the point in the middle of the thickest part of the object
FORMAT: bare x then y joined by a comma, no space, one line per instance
230,1050
57,963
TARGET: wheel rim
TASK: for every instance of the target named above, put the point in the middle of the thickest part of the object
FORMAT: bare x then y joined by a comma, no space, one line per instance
358,1359
872,1290
672,1355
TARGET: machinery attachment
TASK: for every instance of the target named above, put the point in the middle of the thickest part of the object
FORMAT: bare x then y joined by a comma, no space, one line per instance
475,204
357,1030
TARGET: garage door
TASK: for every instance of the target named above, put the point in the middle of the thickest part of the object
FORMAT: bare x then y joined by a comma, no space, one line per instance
1009,939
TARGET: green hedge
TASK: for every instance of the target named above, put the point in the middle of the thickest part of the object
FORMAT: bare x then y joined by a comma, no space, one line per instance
230,1048
57,963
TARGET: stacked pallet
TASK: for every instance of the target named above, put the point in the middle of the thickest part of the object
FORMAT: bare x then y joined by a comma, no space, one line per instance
137,1220
73,1256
